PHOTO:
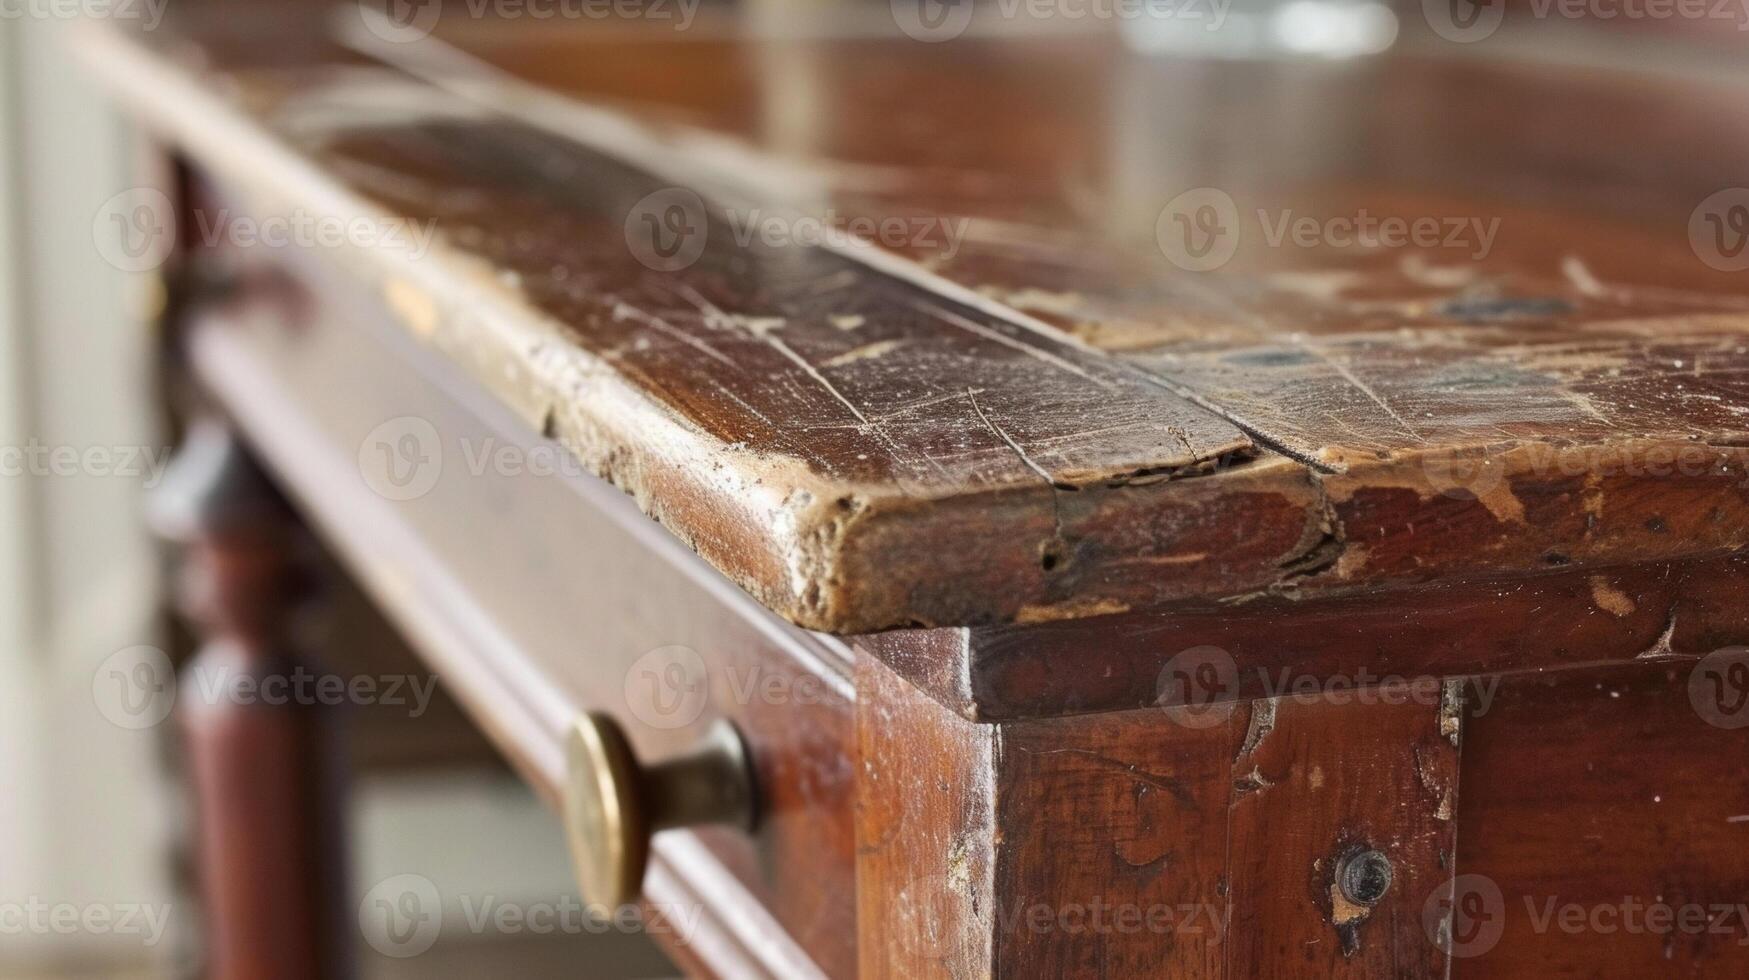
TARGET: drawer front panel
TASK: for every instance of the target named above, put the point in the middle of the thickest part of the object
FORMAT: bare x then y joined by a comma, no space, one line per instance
537,591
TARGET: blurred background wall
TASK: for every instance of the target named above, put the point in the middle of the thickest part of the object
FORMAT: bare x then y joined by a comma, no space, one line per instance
83,815
90,816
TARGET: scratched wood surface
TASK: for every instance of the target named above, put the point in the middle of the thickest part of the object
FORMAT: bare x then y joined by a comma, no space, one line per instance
1565,619
1127,844
1040,398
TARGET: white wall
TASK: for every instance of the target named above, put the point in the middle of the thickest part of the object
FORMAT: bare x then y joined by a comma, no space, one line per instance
18,811
83,819
84,816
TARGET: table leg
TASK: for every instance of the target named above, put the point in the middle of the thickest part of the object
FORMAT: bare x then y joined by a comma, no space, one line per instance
261,753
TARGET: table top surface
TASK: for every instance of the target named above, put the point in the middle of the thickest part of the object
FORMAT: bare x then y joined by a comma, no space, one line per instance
1037,327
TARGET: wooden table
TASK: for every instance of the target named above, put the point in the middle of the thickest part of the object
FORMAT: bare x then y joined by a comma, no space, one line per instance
1142,517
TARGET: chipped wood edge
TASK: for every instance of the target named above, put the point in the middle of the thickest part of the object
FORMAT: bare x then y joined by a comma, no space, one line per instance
828,554
809,531
1325,558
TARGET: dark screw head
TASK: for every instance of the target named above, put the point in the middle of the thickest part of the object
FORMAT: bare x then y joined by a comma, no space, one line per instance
1365,877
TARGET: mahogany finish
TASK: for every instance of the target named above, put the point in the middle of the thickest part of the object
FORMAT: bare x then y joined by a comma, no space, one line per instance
1063,419
1139,844
1557,620
265,771
1332,607
631,624
1656,820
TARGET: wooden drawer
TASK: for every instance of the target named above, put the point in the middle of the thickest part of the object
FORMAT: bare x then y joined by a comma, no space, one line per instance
536,591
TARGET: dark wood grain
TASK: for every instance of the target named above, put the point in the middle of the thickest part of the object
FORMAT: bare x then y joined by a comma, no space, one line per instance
926,824
1317,782
1143,843
1613,793
1577,307
1560,619
266,773
1336,555
311,368
1063,421
1582,821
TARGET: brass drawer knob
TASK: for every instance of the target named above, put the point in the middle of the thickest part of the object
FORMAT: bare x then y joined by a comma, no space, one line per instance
613,805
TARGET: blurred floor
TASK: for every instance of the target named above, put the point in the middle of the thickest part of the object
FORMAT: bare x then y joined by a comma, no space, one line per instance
422,824
412,824
532,956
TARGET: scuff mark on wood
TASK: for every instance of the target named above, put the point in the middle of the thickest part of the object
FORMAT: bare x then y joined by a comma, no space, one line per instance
1346,917
1451,711
1661,647
866,352
1074,609
1030,350
413,305
1251,782
1324,540
1171,784
1611,599
1428,773
1261,725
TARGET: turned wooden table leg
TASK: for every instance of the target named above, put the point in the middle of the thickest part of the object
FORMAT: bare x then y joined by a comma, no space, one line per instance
261,758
